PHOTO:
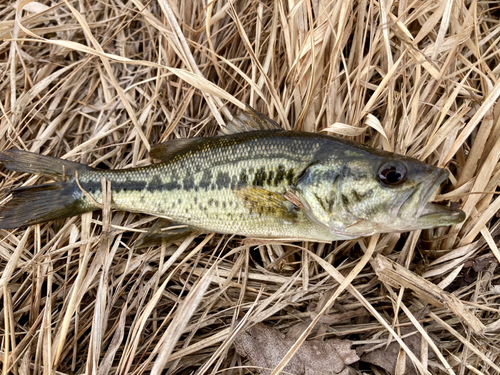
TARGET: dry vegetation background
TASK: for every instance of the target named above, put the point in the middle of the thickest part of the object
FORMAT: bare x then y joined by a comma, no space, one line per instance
98,82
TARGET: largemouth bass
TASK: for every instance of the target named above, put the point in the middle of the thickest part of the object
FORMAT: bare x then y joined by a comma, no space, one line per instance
266,184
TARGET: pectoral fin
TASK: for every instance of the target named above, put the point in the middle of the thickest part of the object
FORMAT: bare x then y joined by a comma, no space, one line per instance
263,201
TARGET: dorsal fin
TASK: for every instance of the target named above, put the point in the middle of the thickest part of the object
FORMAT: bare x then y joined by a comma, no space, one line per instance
249,120
243,121
163,151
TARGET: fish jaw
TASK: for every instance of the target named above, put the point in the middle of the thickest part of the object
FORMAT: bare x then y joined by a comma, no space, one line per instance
434,215
425,213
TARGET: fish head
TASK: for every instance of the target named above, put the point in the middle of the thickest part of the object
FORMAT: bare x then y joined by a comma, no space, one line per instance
375,192
402,190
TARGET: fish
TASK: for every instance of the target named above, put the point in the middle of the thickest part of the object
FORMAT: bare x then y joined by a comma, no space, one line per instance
268,183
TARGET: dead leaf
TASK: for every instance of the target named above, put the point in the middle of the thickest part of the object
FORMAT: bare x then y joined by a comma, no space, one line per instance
481,264
265,347
387,358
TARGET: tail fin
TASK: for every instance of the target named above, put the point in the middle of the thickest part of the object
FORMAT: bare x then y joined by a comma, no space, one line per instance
29,162
37,204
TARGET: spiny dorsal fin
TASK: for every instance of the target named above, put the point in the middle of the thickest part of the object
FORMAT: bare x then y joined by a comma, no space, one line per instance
243,121
249,120
265,201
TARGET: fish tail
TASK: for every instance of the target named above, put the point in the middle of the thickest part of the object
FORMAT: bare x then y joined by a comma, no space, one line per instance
29,162
37,204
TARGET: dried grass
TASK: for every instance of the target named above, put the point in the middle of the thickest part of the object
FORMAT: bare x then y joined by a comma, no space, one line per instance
99,82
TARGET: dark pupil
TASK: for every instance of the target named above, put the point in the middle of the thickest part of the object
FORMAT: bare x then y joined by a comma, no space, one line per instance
391,176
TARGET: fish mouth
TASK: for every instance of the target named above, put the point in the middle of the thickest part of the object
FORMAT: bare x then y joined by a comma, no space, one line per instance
435,215
431,214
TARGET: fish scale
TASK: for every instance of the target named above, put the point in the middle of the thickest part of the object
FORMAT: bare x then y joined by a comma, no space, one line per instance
217,172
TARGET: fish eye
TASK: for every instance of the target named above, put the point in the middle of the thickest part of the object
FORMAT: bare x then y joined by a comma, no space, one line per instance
392,173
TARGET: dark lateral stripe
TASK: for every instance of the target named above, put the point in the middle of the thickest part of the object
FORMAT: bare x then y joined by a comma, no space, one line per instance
280,175
206,179
243,179
154,184
270,177
96,186
170,185
188,183
223,180
210,180
290,176
260,177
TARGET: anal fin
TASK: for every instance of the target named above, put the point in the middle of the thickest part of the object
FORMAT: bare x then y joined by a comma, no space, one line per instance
164,230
